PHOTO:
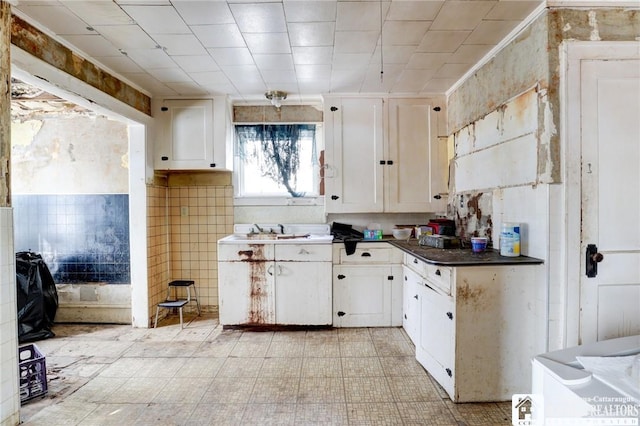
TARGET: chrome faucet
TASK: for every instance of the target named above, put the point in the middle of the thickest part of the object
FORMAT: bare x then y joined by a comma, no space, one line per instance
258,228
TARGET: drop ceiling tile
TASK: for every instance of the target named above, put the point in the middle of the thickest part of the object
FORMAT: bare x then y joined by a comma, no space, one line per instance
461,15
60,20
414,10
310,11
345,80
400,33
259,18
439,85
221,89
311,33
469,54
280,61
278,76
452,71
180,44
353,61
222,35
267,42
158,19
151,58
145,2
242,73
187,88
120,64
312,55
169,75
313,87
427,61
374,84
313,72
98,12
250,86
204,12
93,45
210,78
356,41
197,63
412,81
394,54
491,32
126,36
512,10
231,56
358,16
442,41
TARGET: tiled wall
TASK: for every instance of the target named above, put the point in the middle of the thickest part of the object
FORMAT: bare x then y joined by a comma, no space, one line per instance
9,396
82,238
157,244
198,217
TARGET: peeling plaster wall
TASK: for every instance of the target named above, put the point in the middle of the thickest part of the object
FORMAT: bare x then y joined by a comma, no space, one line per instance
504,122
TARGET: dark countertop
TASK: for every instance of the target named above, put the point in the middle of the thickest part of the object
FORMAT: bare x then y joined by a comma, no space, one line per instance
459,257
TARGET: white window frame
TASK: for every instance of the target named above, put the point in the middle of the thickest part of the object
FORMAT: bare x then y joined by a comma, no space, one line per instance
276,200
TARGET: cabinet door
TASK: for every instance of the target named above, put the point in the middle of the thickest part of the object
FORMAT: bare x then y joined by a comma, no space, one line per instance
303,293
187,135
419,158
435,349
362,296
411,303
353,150
246,292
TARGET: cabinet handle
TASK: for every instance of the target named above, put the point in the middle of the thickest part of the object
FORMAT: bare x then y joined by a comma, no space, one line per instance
405,278
212,165
164,109
405,316
382,162
334,197
341,277
270,270
333,109
448,370
366,254
389,277
438,273
390,162
341,314
163,158
449,315
415,261
415,297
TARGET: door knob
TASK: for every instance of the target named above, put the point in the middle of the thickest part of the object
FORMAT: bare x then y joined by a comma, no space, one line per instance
592,258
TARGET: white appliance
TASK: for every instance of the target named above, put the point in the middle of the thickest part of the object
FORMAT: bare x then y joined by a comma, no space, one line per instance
566,393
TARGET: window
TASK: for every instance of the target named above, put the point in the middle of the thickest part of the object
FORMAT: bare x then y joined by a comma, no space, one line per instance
277,160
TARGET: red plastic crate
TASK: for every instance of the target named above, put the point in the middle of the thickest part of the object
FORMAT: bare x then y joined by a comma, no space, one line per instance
33,373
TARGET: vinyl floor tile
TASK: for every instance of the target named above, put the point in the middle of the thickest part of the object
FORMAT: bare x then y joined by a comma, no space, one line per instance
367,414
367,389
219,414
281,367
321,390
362,367
269,414
321,414
321,367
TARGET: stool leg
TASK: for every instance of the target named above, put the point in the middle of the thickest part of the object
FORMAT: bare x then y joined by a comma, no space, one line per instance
181,327
155,324
195,292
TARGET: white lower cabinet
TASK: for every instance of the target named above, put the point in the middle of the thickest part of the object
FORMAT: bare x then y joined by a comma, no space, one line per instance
274,284
367,286
477,327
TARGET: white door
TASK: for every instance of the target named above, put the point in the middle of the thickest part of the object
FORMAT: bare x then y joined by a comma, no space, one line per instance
610,191
361,296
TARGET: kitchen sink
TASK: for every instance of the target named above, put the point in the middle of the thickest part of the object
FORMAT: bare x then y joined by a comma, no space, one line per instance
279,234
277,238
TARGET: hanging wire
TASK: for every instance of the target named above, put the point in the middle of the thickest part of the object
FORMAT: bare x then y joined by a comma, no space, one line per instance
381,49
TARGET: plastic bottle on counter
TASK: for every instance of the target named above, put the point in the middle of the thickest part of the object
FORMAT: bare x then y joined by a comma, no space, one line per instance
510,239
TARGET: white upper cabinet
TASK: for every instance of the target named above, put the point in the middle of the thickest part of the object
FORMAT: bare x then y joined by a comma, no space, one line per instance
383,156
193,134
354,147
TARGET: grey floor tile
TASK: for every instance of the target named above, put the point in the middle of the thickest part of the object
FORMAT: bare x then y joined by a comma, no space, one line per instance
478,414
250,349
275,390
321,390
137,391
98,390
113,414
200,367
183,390
393,348
321,414
150,349
387,333
219,348
165,414
219,414
402,366
354,335
256,336
240,367
321,349
290,336
357,349
321,367
412,389
281,367
367,414
63,413
233,390
367,389
286,349
269,414
362,367
431,413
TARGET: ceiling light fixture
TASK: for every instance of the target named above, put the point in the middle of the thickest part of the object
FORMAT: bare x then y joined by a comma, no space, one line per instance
276,97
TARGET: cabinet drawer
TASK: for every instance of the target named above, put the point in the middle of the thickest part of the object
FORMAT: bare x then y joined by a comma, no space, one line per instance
416,265
245,252
364,255
439,276
303,252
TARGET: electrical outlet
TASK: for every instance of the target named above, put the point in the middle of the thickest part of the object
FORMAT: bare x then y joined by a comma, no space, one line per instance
184,211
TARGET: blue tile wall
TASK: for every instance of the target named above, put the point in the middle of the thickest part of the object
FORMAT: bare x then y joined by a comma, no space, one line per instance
82,238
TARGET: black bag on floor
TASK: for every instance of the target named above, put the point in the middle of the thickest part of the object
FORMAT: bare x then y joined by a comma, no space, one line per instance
37,297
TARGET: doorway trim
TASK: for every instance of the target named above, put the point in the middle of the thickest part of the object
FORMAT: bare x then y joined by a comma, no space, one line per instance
571,55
